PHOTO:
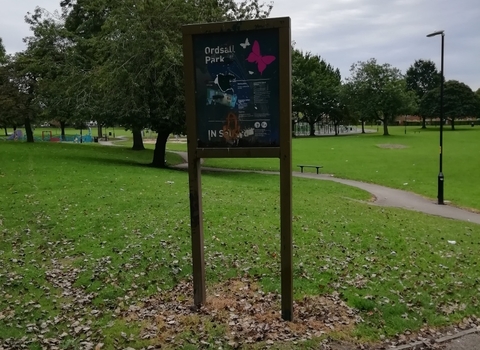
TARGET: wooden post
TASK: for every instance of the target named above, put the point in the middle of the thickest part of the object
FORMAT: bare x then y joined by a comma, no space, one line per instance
196,222
286,174
195,180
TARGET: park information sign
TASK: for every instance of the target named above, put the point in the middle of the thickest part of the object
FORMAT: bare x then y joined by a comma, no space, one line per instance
237,89
238,104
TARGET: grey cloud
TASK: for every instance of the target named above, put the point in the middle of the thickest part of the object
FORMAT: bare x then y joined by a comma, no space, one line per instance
346,31
12,21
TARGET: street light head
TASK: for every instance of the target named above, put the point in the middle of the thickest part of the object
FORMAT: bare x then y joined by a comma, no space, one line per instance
438,32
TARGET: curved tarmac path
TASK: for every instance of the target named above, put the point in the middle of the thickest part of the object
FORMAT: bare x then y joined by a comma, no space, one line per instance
384,196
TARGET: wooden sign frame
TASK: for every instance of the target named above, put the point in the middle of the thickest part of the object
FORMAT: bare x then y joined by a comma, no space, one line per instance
279,31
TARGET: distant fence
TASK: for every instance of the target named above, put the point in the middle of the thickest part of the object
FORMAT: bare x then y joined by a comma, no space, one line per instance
303,129
67,138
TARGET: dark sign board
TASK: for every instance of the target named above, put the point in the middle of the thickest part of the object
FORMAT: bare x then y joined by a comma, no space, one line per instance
237,89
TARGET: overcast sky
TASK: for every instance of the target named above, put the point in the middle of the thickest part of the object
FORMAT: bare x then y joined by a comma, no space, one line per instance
347,31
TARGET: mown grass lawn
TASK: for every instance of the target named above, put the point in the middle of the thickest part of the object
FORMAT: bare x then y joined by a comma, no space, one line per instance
91,238
405,161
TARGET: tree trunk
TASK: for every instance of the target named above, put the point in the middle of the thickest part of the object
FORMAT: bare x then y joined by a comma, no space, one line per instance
160,147
453,123
312,129
62,128
6,132
385,127
99,129
363,127
137,140
424,122
337,127
28,130
293,128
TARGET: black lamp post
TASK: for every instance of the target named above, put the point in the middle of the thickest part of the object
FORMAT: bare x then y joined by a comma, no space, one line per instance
440,174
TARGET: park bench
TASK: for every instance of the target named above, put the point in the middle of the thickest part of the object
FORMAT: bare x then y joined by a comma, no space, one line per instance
309,166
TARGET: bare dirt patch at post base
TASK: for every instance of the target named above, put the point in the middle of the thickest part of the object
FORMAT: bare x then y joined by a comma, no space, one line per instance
391,146
242,312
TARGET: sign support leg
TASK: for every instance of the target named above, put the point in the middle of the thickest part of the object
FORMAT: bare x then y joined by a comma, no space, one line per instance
196,224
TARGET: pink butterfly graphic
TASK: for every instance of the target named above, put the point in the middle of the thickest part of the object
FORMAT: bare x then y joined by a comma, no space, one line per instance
261,61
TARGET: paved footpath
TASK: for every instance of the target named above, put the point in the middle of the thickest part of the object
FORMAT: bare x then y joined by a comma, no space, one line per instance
389,197
384,196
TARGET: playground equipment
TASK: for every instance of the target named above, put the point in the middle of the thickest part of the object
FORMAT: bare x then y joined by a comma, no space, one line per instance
46,135
17,134
69,138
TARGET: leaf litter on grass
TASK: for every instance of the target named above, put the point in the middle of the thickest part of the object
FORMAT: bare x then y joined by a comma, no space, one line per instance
74,307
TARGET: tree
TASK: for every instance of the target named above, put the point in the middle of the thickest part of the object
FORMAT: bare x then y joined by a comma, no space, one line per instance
7,91
477,96
339,114
381,92
50,50
315,85
137,72
11,99
25,78
18,102
3,53
352,96
459,101
3,86
83,22
422,77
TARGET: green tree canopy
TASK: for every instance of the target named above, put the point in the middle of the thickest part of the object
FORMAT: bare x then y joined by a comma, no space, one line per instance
422,77
477,108
11,101
477,95
459,101
49,50
3,53
351,96
131,52
315,87
19,103
379,91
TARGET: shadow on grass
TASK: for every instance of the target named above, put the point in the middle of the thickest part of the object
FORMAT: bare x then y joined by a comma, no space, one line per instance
108,161
127,162
446,128
249,177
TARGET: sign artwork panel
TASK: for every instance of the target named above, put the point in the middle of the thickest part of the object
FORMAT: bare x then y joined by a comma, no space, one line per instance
237,89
